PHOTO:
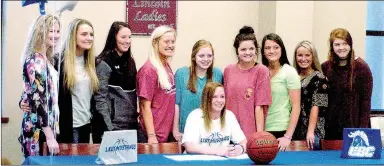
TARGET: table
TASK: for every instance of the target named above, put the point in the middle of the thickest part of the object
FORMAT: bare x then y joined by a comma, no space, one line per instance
289,157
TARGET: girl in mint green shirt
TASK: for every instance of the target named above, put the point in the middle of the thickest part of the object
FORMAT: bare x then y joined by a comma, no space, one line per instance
284,111
190,82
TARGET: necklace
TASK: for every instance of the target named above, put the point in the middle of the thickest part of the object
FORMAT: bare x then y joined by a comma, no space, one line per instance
304,75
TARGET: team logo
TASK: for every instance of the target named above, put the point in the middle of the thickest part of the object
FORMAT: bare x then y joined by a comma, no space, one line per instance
120,144
248,93
214,138
360,145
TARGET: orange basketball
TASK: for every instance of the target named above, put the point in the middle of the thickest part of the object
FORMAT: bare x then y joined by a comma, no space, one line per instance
262,147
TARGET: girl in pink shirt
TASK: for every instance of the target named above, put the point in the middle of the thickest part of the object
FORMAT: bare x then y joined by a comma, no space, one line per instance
156,87
247,84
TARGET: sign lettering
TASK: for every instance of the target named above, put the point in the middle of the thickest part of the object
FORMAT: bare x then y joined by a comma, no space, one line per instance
144,16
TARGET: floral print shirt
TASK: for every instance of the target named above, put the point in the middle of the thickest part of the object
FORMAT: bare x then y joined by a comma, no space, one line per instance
314,92
41,93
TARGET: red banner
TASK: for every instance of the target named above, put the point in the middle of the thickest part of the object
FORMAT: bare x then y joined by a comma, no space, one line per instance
144,16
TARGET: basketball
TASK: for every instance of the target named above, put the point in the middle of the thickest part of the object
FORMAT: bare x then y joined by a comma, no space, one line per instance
262,147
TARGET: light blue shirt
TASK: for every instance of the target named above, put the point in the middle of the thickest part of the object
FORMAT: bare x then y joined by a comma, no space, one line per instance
187,100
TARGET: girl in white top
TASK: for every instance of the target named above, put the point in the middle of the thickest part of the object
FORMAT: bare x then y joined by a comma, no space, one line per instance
79,82
210,129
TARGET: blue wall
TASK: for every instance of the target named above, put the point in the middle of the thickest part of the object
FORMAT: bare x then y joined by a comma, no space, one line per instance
375,51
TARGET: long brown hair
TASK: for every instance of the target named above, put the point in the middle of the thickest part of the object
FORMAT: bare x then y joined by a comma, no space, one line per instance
276,38
342,34
192,70
206,105
110,46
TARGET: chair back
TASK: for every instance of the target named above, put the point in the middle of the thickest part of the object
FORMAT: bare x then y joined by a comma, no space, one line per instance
331,144
80,149
5,161
298,145
378,123
83,149
160,148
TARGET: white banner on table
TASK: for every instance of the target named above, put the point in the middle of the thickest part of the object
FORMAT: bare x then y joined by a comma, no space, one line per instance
194,157
118,147
203,157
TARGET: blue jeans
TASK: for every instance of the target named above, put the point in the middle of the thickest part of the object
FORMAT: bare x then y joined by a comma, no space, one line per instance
81,134
316,143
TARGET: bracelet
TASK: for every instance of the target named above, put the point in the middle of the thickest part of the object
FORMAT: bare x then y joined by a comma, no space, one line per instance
149,135
242,147
287,136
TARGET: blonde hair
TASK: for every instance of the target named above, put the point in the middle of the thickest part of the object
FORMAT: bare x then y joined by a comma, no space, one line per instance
206,105
37,36
315,59
154,56
69,52
192,74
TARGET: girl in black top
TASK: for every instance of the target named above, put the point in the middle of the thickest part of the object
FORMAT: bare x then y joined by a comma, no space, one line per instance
119,94
314,95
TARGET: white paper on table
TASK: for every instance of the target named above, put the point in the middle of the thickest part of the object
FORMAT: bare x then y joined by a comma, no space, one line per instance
194,157
242,156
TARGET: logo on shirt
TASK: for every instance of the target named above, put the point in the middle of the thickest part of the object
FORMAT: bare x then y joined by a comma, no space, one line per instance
119,145
171,91
360,145
214,138
248,93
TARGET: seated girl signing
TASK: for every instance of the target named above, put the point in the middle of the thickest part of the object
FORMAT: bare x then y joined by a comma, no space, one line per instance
210,128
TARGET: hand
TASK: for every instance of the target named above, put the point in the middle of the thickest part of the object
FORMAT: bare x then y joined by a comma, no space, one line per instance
283,143
178,136
152,139
25,106
235,150
310,139
224,150
53,146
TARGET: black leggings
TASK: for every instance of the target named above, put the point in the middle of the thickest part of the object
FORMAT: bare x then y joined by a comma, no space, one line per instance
278,134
